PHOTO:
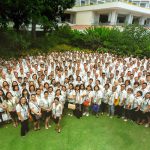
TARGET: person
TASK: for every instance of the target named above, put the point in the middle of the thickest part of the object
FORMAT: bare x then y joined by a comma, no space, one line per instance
70,97
57,113
46,106
88,100
35,112
78,100
136,107
105,99
2,106
129,104
145,108
97,99
56,72
113,97
10,104
122,99
23,113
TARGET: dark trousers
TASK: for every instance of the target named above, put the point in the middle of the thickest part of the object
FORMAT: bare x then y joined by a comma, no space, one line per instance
135,114
119,111
103,107
24,127
1,118
127,113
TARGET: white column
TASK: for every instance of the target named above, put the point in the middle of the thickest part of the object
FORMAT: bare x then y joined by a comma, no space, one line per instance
142,20
113,19
148,22
96,18
79,2
129,19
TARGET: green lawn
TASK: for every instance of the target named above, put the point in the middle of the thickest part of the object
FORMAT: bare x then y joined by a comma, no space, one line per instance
88,133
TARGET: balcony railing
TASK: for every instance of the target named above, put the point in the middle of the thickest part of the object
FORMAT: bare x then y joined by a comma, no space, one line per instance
90,2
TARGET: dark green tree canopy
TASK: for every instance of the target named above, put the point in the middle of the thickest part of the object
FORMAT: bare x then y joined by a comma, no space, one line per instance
23,12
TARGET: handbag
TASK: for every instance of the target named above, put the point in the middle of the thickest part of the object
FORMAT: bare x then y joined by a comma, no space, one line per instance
72,106
116,102
86,103
95,108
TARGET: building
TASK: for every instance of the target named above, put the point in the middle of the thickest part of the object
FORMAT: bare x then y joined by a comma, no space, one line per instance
109,12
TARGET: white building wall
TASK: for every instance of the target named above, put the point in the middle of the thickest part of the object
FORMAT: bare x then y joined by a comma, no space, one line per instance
85,18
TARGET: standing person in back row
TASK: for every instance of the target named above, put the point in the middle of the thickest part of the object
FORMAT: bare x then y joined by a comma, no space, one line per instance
22,110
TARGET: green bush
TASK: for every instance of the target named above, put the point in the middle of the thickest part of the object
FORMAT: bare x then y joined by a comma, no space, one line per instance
133,40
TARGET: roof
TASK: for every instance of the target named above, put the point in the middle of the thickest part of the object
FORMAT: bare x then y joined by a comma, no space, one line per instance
127,7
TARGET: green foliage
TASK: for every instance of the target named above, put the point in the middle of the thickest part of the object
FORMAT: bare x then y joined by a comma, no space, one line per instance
23,12
133,40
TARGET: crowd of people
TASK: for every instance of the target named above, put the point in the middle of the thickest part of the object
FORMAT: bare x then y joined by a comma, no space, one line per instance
46,88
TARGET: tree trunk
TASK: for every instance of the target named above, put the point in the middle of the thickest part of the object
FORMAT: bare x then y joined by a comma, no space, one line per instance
33,30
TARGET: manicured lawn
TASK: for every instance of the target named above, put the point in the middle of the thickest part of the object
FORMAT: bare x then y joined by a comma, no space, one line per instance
88,133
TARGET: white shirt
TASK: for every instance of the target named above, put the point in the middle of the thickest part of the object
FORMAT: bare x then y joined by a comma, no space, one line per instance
137,102
23,110
34,106
57,110
114,95
97,97
122,96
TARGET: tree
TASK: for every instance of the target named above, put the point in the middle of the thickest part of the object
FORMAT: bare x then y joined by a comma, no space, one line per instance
53,10
16,11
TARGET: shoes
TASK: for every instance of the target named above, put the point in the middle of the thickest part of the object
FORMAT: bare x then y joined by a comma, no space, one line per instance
59,131
146,125
84,113
87,114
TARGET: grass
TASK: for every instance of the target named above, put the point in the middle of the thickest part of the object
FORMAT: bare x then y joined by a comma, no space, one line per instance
88,133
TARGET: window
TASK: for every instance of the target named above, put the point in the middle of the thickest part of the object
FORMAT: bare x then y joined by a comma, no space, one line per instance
143,4
82,2
103,18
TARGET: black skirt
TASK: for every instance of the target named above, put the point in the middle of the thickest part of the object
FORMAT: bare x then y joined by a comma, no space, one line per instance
56,120
35,117
13,114
46,114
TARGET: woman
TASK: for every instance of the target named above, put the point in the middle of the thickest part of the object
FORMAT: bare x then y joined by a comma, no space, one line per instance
83,93
113,97
46,105
129,104
2,106
32,89
78,100
35,112
105,99
97,98
64,94
145,108
38,95
57,113
16,92
10,105
70,96
88,100
23,115
26,94
136,107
